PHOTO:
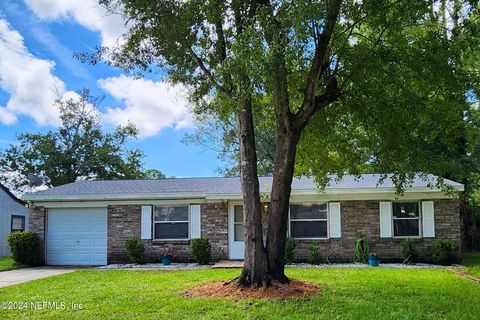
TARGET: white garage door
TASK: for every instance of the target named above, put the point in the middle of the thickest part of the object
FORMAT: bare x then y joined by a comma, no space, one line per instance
77,236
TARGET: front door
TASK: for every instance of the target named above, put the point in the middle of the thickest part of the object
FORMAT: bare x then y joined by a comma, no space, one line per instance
236,245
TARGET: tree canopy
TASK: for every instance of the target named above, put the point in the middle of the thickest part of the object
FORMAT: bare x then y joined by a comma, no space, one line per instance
77,149
342,84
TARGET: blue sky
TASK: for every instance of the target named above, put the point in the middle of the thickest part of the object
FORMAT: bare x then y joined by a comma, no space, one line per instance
37,40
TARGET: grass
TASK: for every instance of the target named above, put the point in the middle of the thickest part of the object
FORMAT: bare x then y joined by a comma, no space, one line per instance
7,263
472,261
153,294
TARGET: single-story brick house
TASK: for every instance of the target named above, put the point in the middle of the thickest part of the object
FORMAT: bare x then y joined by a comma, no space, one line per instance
87,222
13,217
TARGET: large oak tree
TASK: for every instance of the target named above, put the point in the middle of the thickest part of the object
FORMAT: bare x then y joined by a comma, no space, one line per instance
348,82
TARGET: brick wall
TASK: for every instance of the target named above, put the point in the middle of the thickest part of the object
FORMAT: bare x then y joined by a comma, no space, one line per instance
361,219
37,223
124,222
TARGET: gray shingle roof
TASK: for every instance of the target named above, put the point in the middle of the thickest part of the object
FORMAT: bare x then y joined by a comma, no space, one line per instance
214,185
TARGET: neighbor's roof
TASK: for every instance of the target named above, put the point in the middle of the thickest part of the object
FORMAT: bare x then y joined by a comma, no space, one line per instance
11,195
214,187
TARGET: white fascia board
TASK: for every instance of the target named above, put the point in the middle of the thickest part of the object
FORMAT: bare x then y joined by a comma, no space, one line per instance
104,204
106,197
347,193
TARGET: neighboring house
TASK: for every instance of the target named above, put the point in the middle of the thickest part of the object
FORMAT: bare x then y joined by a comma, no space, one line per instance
13,217
87,222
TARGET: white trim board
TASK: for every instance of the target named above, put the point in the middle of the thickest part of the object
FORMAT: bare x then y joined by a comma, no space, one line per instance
65,203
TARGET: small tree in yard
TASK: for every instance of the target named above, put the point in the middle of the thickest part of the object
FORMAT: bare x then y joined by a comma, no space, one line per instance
341,83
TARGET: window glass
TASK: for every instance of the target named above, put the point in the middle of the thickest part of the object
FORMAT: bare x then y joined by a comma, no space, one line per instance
171,222
238,214
406,227
171,213
308,211
405,210
18,223
171,230
406,219
308,229
238,232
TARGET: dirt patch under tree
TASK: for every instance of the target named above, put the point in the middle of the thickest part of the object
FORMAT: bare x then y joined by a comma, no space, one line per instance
293,290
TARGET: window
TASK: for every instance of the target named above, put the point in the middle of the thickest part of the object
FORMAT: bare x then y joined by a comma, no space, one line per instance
18,223
171,222
308,220
238,229
406,219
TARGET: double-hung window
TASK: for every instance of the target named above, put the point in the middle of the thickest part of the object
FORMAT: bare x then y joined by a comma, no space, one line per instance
18,223
308,221
171,222
406,219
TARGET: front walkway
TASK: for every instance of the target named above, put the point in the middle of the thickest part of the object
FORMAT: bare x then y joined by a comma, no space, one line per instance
12,277
228,264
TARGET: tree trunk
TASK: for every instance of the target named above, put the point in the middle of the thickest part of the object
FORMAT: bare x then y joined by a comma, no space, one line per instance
280,201
255,271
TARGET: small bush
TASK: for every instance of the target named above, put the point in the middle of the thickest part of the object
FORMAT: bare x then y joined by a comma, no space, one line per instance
409,250
135,250
289,249
314,250
445,252
25,247
200,250
362,248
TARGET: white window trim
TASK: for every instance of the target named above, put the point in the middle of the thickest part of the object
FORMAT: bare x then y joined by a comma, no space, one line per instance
155,222
420,220
326,220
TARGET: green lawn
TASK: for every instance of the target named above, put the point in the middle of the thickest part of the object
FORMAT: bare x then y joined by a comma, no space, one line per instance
472,261
7,263
347,294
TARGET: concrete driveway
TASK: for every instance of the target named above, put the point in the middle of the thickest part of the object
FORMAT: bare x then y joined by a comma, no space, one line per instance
12,277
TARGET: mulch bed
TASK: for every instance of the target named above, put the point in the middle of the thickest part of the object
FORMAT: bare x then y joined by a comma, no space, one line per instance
293,290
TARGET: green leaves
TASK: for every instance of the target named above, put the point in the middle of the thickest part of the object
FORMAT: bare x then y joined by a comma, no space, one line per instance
78,149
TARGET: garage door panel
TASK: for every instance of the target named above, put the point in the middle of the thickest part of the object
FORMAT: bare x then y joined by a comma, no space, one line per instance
77,236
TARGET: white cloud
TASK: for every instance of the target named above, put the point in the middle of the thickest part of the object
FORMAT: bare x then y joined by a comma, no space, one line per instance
151,106
28,80
87,13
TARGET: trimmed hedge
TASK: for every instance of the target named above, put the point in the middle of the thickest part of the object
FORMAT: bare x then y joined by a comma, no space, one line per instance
362,248
409,250
314,250
135,250
445,252
289,250
25,247
200,250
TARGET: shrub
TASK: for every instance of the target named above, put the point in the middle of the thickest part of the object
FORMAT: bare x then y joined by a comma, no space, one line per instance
314,250
409,250
362,248
289,249
25,247
135,250
200,250
445,252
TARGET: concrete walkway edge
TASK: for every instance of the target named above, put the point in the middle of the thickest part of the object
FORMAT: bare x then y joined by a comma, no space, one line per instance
13,277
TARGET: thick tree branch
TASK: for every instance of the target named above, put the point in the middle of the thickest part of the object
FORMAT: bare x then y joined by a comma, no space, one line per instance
319,65
205,70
